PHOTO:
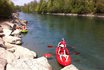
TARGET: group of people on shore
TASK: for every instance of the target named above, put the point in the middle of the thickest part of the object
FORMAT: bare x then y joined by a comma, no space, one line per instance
18,24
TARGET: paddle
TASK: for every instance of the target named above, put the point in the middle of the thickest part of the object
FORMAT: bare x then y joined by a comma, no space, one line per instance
50,46
74,52
47,55
73,47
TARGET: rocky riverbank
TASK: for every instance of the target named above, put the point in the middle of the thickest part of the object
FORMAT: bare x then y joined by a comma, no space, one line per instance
13,56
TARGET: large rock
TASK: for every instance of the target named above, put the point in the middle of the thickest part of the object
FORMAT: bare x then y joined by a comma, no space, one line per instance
16,32
30,64
70,67
12,40
7,32
7,25
8,45
21,52
7,55
2,43
3,63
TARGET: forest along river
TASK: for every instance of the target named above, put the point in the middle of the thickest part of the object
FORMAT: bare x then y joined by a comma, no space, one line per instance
84,33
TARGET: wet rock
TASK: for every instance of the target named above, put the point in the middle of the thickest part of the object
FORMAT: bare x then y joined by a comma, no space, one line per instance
3,63
12,40
7,55
70,67
29,64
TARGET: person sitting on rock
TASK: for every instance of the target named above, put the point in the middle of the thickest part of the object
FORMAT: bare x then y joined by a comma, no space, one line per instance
14,28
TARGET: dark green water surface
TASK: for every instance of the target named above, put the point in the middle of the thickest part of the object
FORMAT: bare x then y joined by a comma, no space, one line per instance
84,33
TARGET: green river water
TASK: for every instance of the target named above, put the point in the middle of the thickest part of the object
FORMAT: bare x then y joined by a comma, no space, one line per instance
84,33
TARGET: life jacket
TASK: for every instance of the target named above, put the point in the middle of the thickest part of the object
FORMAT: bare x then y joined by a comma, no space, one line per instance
62,50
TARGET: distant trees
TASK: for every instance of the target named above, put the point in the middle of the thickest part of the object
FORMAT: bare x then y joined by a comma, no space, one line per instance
30,7
66,6
6,7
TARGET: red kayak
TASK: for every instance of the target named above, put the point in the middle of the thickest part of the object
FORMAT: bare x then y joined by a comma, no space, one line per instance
63,60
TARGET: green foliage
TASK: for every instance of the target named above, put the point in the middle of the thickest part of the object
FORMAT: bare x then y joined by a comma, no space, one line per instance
50,6
42,6
66,6
99,6
6,8
30,7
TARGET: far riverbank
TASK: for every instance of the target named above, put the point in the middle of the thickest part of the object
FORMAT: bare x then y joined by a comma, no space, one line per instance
71,14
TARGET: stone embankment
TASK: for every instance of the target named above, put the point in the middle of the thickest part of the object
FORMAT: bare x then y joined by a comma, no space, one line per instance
13,56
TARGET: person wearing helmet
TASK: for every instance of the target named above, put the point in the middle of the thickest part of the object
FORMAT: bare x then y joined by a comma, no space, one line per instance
62,42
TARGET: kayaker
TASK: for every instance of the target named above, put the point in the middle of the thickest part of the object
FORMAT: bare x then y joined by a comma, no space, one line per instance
14,28
62,52
62,42
24,27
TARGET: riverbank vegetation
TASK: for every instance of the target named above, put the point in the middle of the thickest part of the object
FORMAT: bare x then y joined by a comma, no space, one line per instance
6,8
65,6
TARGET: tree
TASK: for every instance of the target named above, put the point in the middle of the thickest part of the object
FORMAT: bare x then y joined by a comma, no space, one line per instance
42,6
6,8
67,6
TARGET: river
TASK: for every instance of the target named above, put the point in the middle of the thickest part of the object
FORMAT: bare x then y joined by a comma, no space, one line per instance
86,34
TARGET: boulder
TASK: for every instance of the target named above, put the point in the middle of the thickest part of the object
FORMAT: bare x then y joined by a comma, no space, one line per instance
16,32
70,67
7,25
12,40
29,64
21,52
8,45
7,55
7,32
3,63
18,42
